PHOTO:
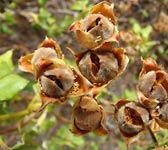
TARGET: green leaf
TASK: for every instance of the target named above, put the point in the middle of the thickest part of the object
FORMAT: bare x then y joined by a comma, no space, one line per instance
48,124
28,142
67,138
104,92
79,5
67,21
149,44
135,26
4,28
115,98
10,85
9,17
42,3
145,32
6,65
130,95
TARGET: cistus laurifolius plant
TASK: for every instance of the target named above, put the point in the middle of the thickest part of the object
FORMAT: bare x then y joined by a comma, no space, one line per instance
98,64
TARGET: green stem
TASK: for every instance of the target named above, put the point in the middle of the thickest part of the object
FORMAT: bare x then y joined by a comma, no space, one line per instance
14,115
31,107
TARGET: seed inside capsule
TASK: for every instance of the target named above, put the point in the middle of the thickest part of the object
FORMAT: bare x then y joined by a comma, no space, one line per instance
96,63
99,67
57,82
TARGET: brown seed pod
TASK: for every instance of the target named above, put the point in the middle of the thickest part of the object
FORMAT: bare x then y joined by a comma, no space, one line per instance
100,67
56,82
152,88
61,82
97,28
131,118
39,61
88,116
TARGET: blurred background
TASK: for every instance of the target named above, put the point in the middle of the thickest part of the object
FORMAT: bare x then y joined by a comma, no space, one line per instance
24,24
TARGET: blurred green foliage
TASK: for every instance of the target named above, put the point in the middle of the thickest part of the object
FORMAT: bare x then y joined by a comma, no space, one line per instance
127,94
145,47
8,21
54,26
10,83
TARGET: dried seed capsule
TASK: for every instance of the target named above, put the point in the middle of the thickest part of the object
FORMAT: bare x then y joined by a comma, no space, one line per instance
56,82
39,61
97,28
152,88
100,67
60,83
88,116
131,118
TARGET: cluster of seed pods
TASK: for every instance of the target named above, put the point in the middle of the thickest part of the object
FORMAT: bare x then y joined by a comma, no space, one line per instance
98,64
150,111
56,80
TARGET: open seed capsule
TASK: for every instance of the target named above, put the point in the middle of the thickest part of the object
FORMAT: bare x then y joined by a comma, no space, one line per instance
97,28
39,61
131,118
56,82
88,116
100,67
152,88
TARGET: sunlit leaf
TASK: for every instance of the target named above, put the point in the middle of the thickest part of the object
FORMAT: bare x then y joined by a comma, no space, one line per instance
6,65
135,26
28,142
10,85
130,94
146,32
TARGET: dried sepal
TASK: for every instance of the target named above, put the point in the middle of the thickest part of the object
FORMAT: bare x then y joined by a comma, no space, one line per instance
81,85
50,43
46,100
131,118
152,87
25,63
161,115
100,67
40,60
97,28
149,64
88,116
106,9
